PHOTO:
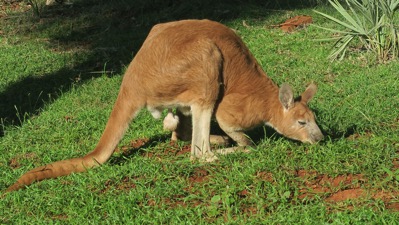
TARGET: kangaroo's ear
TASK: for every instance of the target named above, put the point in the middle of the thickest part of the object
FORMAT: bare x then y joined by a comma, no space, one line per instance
308,94
286,96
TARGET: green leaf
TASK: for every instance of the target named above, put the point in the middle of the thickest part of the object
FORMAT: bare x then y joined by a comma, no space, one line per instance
342,45
287,194
334,30
216,199
354,25
336,20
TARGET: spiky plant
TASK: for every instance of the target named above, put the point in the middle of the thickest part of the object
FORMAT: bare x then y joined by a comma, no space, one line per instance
372,21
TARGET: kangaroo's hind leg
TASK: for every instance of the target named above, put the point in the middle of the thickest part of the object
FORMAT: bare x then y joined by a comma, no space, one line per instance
200,145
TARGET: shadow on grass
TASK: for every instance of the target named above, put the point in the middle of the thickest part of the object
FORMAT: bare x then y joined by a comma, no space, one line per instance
161,145
335,135
132,151
112,31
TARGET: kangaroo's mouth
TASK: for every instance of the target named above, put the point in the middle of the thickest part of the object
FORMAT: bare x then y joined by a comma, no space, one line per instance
314,138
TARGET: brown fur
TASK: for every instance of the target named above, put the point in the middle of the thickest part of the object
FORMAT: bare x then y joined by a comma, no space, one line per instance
203,69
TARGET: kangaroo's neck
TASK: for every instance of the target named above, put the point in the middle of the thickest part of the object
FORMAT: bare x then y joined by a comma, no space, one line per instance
245,79
269,103
258,97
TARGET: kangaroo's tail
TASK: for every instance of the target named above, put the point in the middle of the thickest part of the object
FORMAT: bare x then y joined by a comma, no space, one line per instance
124,111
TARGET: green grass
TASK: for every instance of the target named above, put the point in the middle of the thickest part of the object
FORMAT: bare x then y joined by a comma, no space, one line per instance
59,79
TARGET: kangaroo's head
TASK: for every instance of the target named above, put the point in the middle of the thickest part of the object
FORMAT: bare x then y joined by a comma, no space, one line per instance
297,120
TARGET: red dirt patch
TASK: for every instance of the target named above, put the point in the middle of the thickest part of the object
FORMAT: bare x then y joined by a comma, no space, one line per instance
345,195
266,176
125,184
15,162
244,193
134,144
355,136
250,210
294,23
184,150
395,164
385,195
199,175
342,188
394,206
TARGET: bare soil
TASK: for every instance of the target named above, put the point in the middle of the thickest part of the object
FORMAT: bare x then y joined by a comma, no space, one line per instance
294,23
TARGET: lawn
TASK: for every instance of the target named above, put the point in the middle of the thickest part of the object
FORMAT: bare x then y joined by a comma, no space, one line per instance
60,75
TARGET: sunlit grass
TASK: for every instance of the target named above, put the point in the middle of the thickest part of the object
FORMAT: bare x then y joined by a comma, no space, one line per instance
79,72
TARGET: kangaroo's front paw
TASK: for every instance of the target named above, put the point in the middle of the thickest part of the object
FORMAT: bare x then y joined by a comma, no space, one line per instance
220,140
207,157
225,151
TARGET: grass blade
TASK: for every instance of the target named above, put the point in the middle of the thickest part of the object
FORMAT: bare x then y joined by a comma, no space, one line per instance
342,45
336,20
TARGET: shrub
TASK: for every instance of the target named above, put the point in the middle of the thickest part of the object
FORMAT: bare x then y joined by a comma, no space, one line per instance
372,21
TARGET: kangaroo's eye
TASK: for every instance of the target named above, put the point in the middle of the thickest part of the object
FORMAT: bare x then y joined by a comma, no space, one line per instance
301,122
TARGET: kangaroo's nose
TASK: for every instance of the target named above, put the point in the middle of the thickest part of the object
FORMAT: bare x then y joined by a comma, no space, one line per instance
317,136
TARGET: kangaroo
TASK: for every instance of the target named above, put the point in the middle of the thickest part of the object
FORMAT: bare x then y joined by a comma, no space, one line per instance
203,69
